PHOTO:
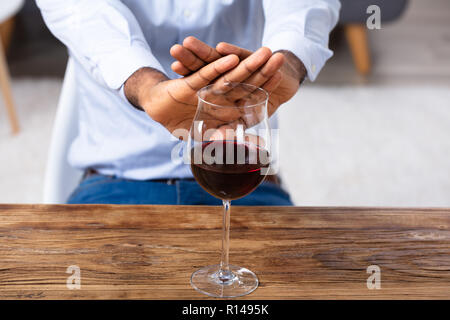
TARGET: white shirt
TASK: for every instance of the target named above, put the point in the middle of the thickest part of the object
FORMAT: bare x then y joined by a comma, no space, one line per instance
111,39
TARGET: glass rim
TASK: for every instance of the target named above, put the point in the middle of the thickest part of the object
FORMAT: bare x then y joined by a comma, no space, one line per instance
235,83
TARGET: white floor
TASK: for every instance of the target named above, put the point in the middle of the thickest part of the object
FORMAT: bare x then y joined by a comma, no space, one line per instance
367,146
23,157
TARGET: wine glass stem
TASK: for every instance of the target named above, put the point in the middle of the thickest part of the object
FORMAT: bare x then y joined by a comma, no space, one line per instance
224,273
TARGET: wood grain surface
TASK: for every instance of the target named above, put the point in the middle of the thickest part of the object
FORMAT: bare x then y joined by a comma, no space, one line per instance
149,252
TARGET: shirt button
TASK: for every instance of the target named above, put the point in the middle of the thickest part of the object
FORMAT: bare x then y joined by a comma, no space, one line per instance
187,13
313,68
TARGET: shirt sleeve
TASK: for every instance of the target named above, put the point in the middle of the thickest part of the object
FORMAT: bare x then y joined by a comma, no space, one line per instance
102,35
302,27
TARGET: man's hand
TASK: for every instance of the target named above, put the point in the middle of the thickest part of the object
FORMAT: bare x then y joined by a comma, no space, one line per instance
282,86
173,103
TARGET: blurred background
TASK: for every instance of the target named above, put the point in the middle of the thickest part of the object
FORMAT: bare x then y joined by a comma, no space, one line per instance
373,130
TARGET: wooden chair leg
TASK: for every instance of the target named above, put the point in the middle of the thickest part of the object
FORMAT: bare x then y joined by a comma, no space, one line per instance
356,35
5,86
6,31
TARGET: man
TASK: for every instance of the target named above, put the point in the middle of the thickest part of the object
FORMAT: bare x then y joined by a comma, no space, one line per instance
131,95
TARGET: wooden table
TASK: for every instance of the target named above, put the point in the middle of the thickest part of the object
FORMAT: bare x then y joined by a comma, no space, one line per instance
149,252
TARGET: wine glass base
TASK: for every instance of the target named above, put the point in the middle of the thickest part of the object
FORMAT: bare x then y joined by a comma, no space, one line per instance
240,283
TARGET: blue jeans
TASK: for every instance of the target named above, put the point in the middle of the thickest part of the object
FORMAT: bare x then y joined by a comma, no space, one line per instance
111,190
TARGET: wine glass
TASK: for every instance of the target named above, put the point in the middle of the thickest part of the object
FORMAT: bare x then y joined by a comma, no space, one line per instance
229,153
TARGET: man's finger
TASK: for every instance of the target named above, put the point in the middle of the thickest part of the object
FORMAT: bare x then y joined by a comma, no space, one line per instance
186,57
245,69
273,82
210,72
203,51
260,77
225,48
179,68
257,79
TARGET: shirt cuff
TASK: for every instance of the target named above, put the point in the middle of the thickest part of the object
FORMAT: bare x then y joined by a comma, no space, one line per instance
312,54
117,67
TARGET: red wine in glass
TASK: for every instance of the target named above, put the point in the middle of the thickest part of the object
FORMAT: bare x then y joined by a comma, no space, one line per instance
230,176
229,144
